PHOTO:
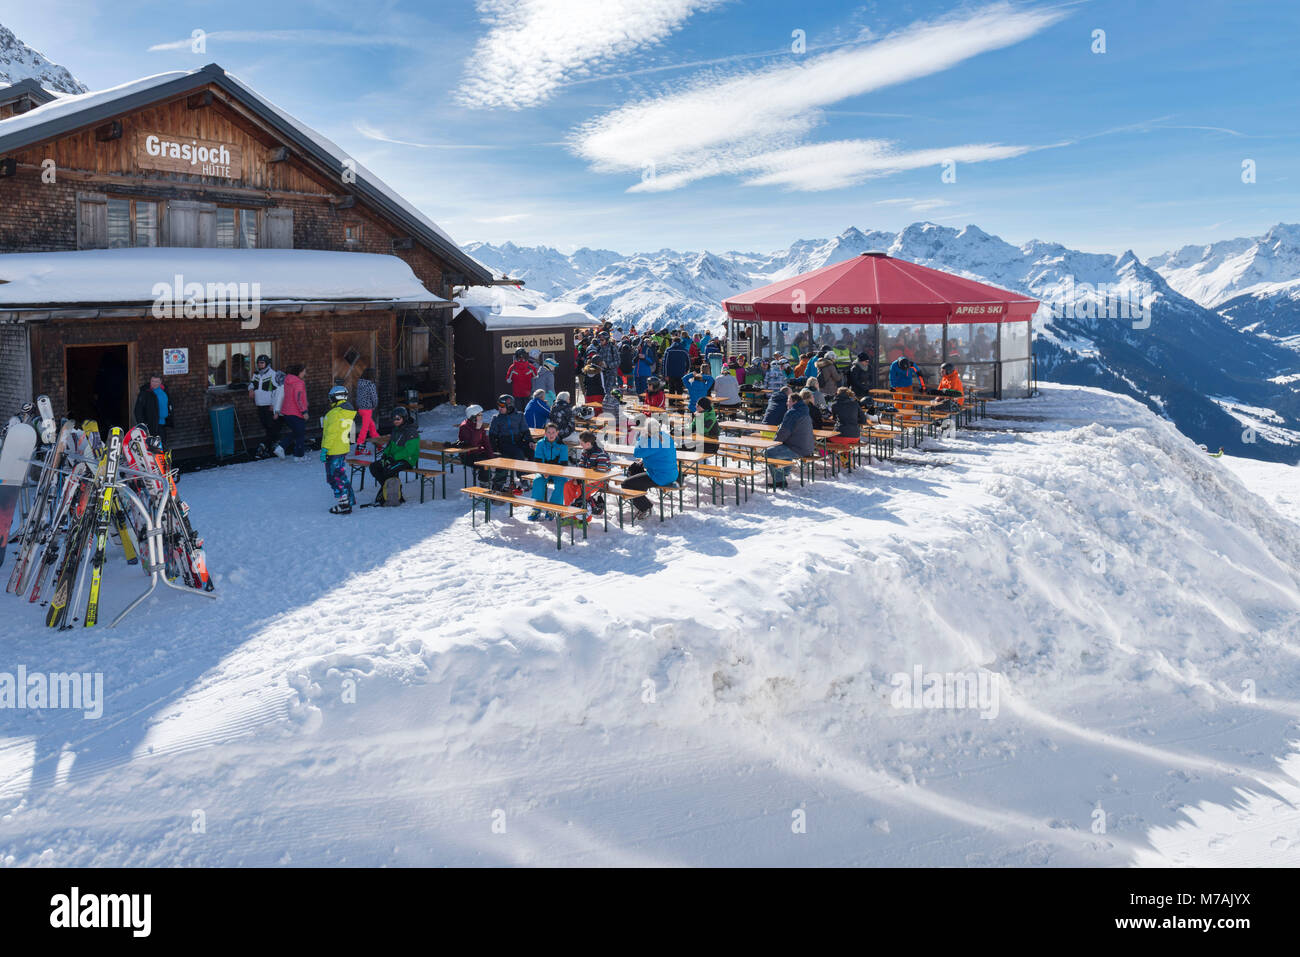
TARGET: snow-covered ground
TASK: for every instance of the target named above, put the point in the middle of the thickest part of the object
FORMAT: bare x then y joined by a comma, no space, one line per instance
395,687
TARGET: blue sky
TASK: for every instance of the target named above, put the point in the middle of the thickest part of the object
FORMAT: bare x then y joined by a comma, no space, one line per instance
639,124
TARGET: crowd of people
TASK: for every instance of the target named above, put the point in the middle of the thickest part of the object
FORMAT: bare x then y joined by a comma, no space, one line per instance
625,378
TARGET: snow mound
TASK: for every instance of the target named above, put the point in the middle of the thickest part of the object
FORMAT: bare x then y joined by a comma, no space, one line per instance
671,694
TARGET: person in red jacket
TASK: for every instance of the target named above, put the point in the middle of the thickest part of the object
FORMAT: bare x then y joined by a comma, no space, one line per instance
473,435
519,378
293,409
654,393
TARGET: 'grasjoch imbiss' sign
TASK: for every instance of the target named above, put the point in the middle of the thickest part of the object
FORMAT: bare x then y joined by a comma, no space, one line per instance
188,155
542,342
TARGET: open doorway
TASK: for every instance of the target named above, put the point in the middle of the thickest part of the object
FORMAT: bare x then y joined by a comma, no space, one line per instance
98,384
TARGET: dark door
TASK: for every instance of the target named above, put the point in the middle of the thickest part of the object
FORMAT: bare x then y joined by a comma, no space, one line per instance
98,385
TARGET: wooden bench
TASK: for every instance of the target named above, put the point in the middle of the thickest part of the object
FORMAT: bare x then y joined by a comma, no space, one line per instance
719,475
487,497
616,489
426,473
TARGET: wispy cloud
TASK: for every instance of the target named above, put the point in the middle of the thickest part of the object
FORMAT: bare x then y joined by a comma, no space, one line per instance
373,133
535,46
507,218
914,204
834,165
295,37
756,123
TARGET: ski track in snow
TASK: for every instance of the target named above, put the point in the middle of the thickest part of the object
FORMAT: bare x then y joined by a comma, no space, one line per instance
1119,583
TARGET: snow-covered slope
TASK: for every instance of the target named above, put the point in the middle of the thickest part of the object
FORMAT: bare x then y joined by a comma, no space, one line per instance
18,61
400,688
1213,376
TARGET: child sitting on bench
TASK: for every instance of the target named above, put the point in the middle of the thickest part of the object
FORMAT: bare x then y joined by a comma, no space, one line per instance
550,450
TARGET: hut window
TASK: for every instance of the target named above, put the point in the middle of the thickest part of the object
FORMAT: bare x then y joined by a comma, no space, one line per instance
231,363
353,234
236,228
132,222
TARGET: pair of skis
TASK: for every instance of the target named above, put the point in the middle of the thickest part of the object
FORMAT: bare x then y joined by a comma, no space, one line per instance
87,539
182,546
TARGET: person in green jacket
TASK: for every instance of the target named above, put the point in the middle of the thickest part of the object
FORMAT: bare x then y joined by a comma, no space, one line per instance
401,452
707,428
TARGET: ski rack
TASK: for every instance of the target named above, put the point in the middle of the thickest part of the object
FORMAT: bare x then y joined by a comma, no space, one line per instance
153,532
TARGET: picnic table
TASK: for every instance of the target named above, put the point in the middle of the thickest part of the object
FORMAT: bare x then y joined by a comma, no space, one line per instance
584,476
748,443
687,457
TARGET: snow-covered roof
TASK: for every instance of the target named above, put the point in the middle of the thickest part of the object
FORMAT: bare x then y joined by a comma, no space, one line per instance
73,112
131,275
507,307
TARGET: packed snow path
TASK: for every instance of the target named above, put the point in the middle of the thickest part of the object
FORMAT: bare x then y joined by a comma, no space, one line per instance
393,687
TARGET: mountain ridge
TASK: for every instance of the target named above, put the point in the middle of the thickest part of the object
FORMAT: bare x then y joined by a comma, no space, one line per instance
20,62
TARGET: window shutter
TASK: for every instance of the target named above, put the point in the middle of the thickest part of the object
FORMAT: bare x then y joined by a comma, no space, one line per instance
207,226
189,223
92,221
277,229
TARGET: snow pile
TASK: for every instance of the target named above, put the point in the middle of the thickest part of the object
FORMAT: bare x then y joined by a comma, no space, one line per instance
143,275
391,687
508,307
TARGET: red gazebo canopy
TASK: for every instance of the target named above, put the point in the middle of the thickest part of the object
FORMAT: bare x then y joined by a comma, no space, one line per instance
876,288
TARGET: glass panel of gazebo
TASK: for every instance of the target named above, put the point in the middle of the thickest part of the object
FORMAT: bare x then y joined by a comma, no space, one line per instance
972,342
980,376
1015,338
920,342
847,339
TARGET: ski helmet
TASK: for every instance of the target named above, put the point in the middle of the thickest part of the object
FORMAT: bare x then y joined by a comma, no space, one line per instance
473,410
399,411
521,353
616,394
339,393
585,413
506,403
264,358
947,367
654,383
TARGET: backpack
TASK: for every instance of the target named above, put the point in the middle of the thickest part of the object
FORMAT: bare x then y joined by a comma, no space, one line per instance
390,495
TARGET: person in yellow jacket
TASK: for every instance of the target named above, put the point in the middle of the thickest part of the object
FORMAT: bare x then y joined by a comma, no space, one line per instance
338,427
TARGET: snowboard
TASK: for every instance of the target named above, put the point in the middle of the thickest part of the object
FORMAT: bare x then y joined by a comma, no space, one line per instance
15,455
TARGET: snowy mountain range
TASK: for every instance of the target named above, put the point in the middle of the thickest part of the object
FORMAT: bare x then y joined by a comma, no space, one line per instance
18,62
1192,354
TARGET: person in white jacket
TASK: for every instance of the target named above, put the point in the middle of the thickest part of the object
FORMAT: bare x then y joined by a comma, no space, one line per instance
267,389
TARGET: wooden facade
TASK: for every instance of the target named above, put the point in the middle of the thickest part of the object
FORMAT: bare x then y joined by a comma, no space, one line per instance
99,181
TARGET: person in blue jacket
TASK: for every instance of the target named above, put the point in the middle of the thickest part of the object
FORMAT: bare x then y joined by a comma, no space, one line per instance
655,465
698,384
777,405
903,375
645,366
551,450
537,413
796,438
677,362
